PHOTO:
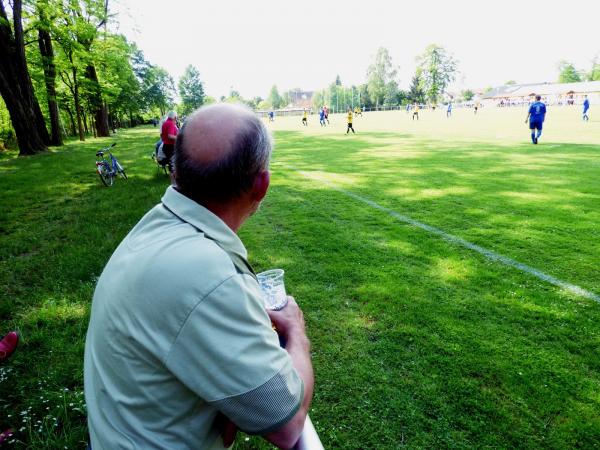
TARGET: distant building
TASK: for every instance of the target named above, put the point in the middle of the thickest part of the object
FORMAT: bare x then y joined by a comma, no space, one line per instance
552,93
300,99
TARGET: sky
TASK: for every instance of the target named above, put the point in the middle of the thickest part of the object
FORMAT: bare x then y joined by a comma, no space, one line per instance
249,45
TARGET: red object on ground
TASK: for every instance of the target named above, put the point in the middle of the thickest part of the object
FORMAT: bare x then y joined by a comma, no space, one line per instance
8,345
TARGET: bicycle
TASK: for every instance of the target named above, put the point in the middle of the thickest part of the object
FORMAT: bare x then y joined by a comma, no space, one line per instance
109,169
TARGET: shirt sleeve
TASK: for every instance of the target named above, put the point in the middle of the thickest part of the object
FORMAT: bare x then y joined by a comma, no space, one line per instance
228,354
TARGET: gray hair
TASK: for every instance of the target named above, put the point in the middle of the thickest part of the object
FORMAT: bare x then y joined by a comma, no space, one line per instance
172,114
230,176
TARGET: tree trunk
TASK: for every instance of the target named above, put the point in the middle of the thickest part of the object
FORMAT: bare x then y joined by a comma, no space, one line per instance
45,44
73,128
100,108
77,105
85,122
16,88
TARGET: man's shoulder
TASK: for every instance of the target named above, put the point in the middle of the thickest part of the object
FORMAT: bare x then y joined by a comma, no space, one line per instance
178,248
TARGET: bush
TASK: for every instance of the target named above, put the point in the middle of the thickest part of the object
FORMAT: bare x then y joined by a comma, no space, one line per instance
8,139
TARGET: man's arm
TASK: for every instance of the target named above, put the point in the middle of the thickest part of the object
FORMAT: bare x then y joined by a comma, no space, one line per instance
290,325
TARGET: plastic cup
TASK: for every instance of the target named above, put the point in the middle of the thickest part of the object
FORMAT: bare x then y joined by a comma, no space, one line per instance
273,288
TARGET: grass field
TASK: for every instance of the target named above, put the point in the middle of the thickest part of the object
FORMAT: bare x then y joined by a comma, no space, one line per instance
417,342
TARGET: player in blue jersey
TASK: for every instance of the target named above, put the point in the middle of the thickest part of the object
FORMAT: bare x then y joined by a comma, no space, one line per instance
536,116
322,117
449,109
586,106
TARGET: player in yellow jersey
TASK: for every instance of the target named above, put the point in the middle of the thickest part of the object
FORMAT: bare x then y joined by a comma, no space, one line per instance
305,118
350,122
416,111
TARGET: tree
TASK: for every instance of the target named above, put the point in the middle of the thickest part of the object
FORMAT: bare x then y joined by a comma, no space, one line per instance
568,73
86,17
274,98
16,87
416,93
391,93
594,74
379,74
510,82
191,90
468,95
438,69
44,25
338,80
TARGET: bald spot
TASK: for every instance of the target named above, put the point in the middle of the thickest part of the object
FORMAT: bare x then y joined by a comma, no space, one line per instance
210,131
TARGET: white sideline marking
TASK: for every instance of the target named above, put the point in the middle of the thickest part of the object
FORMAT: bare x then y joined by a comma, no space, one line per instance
489,254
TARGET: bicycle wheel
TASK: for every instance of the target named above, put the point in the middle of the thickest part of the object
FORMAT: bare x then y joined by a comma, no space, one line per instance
106,177
120,169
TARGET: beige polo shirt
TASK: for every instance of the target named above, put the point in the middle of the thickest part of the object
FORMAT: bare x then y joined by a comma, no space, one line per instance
178,334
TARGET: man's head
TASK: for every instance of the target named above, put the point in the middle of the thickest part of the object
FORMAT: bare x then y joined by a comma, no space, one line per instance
172,115
538,97
222,156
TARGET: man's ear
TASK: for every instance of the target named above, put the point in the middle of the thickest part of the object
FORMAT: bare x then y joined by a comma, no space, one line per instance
261,185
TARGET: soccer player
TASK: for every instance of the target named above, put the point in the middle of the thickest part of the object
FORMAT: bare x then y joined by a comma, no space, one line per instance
476,107
586,106
449,110
416,111
326,109
271,116
349,122
305,118
536,116
322,117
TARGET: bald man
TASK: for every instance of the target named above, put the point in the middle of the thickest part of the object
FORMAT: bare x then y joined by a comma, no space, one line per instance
180,350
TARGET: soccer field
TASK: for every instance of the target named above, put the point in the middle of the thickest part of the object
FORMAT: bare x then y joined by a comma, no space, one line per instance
422,253
418,339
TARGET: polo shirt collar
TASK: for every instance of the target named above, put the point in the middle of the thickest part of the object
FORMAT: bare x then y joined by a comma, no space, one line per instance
204,220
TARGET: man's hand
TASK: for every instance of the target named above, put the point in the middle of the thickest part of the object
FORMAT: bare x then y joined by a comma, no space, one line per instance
290,325
289,319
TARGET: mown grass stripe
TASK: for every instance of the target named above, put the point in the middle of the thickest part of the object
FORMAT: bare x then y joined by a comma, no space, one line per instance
489,254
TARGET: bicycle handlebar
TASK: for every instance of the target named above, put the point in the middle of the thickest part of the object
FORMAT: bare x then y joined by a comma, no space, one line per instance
108,148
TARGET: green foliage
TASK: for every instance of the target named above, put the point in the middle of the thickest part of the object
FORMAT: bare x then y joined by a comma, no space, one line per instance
275,99
594,74
438,69
381,78
510,82
416,93
468,95
191,90
568,73
264,105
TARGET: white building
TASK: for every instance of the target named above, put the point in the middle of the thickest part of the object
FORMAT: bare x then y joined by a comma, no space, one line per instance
552,93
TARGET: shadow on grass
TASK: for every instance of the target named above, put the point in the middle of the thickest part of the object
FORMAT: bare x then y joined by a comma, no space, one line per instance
516,200
474,354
